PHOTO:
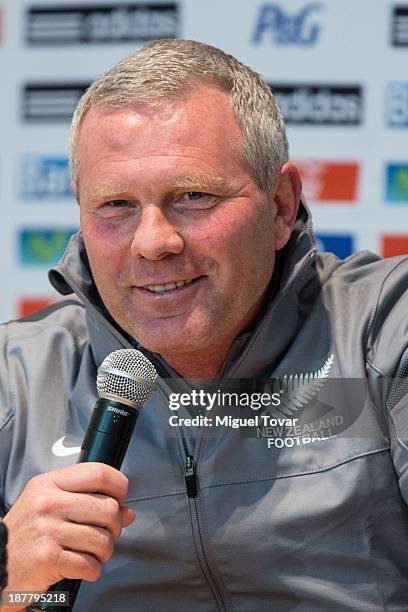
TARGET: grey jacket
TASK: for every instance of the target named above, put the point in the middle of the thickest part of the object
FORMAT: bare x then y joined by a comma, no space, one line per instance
308,514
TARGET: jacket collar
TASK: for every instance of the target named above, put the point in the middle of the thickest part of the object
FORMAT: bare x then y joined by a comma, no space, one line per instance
254,352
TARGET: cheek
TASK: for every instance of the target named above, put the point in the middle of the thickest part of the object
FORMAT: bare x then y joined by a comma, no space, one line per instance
106,244
244,241
219,231
105,267
105,233
254,256
216,240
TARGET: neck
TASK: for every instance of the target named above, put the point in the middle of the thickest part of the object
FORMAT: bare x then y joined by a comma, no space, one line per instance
198,365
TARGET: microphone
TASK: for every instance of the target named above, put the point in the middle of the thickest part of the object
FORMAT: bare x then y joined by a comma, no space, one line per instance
3,557
125,381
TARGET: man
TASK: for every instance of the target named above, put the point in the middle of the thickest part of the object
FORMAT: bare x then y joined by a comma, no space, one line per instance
197,249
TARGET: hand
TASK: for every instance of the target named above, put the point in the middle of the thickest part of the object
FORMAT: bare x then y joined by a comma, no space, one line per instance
64,525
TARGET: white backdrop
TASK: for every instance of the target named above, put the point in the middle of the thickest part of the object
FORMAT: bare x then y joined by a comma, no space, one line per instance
339,68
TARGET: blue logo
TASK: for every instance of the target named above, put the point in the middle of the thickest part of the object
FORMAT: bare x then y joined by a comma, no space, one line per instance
43,246
285,29
341,245
396,183
45,178
396,105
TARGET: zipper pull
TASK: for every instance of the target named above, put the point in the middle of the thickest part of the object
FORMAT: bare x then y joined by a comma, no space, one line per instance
190,477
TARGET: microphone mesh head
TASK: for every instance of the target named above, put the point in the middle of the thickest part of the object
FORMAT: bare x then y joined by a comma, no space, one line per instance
127,375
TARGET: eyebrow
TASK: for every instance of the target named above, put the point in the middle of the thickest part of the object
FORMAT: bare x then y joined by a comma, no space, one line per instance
106,190
203,181
200,181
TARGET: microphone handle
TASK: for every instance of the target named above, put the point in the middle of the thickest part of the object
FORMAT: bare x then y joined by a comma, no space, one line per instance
106,441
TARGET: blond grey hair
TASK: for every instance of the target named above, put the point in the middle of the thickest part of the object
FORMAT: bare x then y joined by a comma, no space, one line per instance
168,70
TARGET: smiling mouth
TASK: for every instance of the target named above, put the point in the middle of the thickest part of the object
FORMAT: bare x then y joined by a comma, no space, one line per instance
170,286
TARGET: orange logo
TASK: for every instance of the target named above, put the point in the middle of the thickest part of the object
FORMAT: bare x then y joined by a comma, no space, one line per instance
29,305
394,244
329,181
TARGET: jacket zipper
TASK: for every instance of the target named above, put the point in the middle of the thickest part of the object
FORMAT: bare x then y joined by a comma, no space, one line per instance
190,476
189,466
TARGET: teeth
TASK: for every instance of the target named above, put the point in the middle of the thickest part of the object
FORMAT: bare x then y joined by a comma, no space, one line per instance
167,286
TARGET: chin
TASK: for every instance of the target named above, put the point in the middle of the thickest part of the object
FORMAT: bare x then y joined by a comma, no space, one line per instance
169,347
167,343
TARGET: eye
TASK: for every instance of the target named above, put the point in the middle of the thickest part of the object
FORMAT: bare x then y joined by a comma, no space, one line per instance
119,203
116,209
194,195
195,200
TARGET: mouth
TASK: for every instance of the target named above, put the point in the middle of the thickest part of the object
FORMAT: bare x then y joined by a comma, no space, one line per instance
168,287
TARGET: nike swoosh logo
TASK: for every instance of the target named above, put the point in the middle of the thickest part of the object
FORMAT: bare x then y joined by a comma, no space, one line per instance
59,450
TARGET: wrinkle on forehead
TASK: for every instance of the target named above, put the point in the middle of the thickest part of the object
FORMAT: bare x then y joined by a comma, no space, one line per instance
135,115
175,112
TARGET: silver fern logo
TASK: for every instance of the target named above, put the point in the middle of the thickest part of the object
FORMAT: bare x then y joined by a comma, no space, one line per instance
298,389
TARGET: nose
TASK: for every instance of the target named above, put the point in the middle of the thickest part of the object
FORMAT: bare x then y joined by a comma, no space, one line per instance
155,236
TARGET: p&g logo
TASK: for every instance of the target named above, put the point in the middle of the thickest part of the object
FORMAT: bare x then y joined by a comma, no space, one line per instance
286,29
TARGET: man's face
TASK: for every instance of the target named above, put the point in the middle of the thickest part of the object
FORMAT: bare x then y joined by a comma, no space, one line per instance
180,239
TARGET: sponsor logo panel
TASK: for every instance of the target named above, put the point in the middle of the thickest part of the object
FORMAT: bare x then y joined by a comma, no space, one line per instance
396,105
43,246
341,245
399,26
396,183
28,305
280,26
105,23
319,104
51,101
45,177
394,244
325,181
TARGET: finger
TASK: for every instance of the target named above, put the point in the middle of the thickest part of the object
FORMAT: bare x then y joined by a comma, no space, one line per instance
88,477
96,510
92,509
72,564
83,508
87,539
128,516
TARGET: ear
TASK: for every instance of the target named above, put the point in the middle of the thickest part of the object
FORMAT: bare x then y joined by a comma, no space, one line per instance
287,192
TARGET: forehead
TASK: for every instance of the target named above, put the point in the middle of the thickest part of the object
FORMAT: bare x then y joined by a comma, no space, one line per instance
197,133
204,117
